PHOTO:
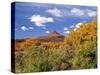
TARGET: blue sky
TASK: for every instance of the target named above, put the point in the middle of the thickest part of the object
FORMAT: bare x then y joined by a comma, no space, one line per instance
38,19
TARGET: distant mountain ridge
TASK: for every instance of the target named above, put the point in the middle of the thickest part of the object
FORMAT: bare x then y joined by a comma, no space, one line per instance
51,37
54,33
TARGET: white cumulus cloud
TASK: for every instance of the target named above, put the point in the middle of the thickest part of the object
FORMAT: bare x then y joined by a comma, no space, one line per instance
24,28
72,26
66,32
31,28
55,12
41,20
78,25
65,28
83,12
77,12
47,32
91,13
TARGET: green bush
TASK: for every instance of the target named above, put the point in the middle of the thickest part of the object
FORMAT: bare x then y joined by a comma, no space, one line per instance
86,56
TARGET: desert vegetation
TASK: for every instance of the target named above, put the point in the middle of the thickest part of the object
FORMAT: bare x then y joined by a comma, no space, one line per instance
77,50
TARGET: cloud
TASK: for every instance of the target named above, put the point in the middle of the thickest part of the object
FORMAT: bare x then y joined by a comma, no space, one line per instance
72,26
91,13
55,12
66,32
24,28
41,20
65,28
47,32
77,12
31,28
78,25
82,12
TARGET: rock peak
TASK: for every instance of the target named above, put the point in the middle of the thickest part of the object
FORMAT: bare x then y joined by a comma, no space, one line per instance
54,33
